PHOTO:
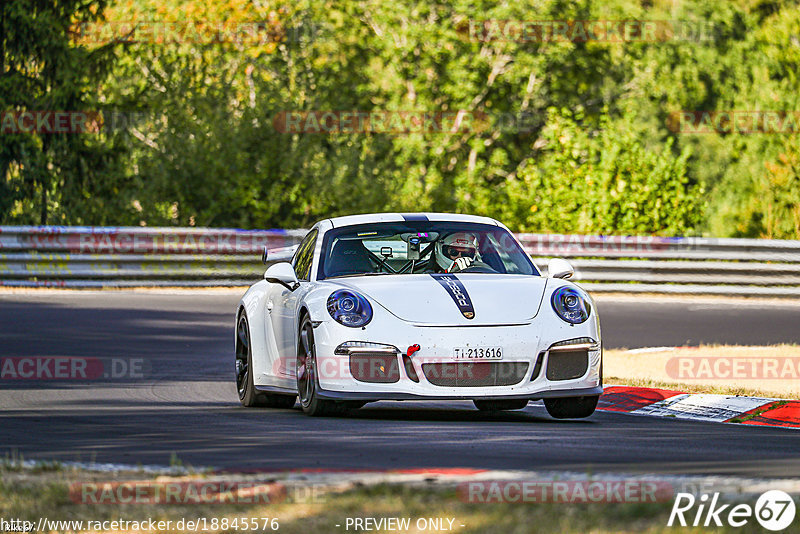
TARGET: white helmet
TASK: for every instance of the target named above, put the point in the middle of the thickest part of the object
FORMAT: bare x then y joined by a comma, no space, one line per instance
453,246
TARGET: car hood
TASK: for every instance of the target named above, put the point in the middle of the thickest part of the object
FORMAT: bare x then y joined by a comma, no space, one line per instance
491,299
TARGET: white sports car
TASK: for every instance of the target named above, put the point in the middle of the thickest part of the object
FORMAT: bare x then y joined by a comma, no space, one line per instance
417,307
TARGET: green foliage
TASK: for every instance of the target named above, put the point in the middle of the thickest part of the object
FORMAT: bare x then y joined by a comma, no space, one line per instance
54,178
603,182
572,136
773,210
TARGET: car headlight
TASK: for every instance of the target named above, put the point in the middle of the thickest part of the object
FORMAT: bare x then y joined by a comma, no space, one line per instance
571,304
349,308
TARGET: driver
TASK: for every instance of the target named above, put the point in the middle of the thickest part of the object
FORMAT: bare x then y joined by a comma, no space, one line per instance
456,252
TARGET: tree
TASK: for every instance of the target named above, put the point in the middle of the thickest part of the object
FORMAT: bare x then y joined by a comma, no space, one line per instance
603,181
45,176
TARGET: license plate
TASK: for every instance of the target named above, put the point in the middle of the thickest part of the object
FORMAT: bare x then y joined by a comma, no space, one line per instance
478,353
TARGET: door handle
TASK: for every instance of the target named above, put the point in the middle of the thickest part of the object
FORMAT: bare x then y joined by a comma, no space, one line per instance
269,305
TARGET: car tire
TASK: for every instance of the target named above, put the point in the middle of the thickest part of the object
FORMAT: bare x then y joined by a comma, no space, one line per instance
499,405
571,407
248,395
307,381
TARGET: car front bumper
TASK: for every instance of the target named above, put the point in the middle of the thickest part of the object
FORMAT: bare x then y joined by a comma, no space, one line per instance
523,344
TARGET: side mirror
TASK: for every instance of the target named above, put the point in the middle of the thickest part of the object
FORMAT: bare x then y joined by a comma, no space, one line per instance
558,268
264,255
283,274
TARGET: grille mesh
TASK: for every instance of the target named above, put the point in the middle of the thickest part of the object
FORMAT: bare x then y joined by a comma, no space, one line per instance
472,374
375,368
567,365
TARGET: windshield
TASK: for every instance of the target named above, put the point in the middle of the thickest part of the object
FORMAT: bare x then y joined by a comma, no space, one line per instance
417,247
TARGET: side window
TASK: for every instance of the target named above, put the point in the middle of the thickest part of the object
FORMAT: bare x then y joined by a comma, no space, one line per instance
305,256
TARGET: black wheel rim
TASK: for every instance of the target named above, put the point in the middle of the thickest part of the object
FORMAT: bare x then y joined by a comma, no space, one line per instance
242,356
305,365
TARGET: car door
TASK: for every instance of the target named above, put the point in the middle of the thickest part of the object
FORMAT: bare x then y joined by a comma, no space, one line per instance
282,305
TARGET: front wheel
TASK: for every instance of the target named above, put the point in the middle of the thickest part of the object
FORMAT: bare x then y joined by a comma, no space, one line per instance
307,377
571,407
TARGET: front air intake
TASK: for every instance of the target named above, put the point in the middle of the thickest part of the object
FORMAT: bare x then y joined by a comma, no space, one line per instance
567,365
377,368
475,374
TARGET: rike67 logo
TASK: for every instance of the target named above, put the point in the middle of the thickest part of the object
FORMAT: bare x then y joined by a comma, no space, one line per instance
774,510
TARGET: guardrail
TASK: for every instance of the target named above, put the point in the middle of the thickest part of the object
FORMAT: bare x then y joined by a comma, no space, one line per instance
72,256
84,257
695,265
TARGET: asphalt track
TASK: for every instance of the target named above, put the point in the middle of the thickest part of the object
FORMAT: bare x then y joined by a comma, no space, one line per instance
186,403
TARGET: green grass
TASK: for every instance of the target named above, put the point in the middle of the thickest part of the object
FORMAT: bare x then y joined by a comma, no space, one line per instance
28,495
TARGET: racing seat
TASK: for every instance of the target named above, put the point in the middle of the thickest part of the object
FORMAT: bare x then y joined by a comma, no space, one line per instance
349,256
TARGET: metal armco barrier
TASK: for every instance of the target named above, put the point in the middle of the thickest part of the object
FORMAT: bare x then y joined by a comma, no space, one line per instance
72,256
85,257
